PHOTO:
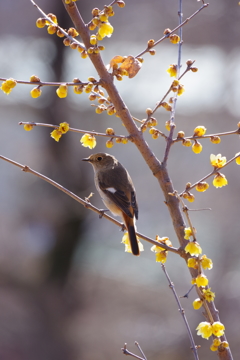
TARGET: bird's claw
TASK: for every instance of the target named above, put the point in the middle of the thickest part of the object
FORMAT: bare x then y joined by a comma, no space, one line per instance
102,211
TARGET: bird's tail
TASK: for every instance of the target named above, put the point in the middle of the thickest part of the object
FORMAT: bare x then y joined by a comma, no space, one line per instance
129,222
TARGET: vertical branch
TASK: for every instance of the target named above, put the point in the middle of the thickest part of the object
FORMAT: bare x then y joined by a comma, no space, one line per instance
172,125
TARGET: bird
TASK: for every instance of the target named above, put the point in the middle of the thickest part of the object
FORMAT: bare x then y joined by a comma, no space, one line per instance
117,191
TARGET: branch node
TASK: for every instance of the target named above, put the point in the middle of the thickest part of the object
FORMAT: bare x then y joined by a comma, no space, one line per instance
25,168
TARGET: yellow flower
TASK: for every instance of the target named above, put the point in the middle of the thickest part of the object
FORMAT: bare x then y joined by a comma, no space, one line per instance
105,29
52,29
213,348
161,257
56,134
109,143
11,83
215,139
5,88
62,91
161,254
181,90
215,344
201,280
72,32
88,140
237,159
217,161
78,89
186,142
172,70
206,262
163,240
208,294
199,131
204,329
126,241
193,281
174,39
197,303
40,23
167,126
28,127
219,180
193,248
202,186
34,78
197,147
93,40
193,263
188,233
218,328
36,92
225,344
63,127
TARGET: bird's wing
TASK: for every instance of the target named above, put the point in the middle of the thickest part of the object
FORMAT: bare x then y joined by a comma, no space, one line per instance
118,197
134,203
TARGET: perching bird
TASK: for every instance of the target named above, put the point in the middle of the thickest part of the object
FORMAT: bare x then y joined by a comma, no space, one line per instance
116,189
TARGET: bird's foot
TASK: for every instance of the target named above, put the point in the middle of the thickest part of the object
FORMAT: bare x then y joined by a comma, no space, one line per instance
102,212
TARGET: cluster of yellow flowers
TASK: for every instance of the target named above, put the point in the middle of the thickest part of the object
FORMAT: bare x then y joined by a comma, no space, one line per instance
8,85
205,329
54,28
161,253
100,21
57,133
119,140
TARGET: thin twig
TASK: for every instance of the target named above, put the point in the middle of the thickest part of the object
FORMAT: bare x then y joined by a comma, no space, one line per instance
175,29
181,310
193,137
47,83
172,118
127,352
73,130
140,349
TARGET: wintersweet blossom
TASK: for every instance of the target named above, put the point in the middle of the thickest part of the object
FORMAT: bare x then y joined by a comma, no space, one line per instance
188,233
197,303
208,294
56,134
172,70
193,248
219,180
88,140
217,161
105,29
63,127
206,262
199,131
204,329
201,280
161,253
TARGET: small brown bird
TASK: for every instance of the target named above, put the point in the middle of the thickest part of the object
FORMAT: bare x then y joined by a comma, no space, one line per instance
116,189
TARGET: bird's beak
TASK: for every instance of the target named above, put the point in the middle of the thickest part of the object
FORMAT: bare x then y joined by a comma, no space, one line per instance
86,159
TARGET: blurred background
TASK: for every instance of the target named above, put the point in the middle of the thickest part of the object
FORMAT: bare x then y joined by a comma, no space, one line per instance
67,288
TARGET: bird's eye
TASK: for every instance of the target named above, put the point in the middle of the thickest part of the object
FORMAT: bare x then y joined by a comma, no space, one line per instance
99,158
